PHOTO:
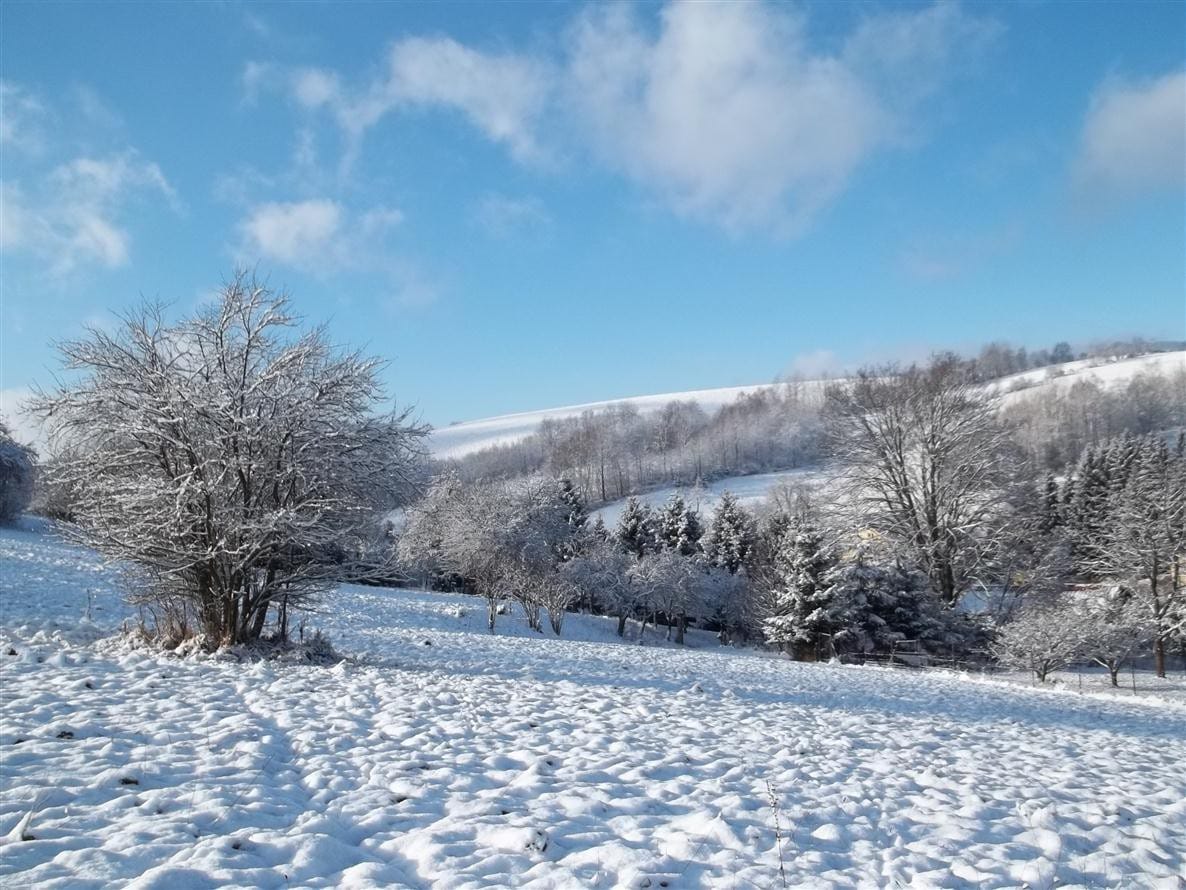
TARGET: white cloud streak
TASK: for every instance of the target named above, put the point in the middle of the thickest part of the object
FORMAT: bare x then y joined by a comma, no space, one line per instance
74,216
318,235
1134,138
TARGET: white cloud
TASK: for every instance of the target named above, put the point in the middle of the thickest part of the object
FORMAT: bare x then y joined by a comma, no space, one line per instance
502,95
295,233
724,110
22,118
75,215
318,235
314,88
1134,138
729,114
724,114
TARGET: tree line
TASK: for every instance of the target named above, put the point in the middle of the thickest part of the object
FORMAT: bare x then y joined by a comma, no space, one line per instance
613,452
937,532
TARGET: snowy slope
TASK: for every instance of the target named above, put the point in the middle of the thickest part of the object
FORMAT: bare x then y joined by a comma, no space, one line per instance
751,491
1106,373
459,439
442,756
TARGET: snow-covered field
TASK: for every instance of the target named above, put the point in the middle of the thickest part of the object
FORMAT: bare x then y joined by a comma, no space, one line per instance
441,756
459,439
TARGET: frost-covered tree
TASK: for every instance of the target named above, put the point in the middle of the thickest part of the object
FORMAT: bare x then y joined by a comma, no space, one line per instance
928,466
501,539
729,543
875,607
1143,540
729,602
673,585
802,608
1044,637
1118,626
678,526
601,573
538,535
636,530
231,457
17,470
572,498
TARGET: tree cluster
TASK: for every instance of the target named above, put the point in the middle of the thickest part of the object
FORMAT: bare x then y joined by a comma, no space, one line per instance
1119,518
617,451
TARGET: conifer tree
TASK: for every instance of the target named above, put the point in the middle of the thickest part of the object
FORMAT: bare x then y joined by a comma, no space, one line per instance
1050,517
679,526
801,610
572,498
636,528
729,543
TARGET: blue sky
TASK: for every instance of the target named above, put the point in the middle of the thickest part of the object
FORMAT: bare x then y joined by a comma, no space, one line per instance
533,204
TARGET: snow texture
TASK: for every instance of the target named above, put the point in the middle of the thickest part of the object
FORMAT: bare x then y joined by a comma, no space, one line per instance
443,756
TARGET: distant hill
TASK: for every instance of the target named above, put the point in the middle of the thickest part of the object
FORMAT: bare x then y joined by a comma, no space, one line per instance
459,439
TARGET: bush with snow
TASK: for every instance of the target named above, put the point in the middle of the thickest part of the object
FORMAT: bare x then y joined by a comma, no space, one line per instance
231,459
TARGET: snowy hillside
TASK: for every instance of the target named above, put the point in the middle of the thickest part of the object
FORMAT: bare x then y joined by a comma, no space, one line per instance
442,756
459,439
750,491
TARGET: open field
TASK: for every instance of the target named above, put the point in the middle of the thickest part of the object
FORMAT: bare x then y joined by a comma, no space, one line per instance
440,755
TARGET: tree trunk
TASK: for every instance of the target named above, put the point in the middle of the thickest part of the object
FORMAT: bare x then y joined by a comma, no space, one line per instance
490,612
1159,656
622,625
681,626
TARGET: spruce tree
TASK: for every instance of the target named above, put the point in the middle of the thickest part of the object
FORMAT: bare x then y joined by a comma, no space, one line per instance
571,497
1050,516
802,609
679,526
729,543
636,528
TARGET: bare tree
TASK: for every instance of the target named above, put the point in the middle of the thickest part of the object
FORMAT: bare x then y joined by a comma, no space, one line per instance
927,465
231,458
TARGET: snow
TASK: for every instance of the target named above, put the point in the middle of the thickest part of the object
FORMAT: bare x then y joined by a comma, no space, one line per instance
1105,372
751,492
438,755
459,439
